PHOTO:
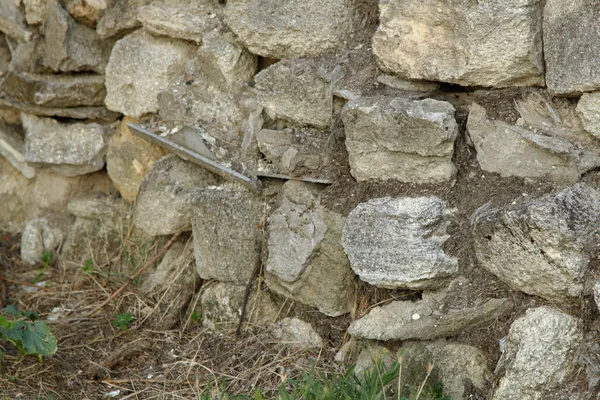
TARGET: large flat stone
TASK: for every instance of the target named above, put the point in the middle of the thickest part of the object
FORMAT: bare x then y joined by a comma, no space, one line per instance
66,149
293,29
397,242
397,138
101,114
571,46
140,67
540,246
120,17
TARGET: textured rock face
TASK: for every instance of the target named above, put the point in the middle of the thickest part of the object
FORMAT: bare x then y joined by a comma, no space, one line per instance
297,334
12,147
294,90
40,235
539,247
396,242
140,67
538,356
66,149
588,109
396,138
571,46
227,227
547,140
491,43
12,22
35,11
164,204
306,260
119,17
292,29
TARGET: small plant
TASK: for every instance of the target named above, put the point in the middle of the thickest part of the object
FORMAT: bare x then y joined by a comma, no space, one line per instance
196,316
45,261
27,332
122,321
88,268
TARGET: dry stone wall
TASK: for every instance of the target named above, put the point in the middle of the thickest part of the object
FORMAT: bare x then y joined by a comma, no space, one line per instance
427,170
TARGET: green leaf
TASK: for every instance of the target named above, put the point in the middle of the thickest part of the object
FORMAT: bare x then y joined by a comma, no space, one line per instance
11,309
37,338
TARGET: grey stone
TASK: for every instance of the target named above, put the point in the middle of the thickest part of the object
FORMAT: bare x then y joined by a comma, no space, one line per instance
294,90
540,246
296,333
28,56
128,159
70,46
101,114
405,320
571,46
84,11
538,356
181,21
397,242
292,29
469,43
97,206
547,140
165,202
5,54
66,149
140,67
16,197
227,227
588,109
41,235
119,17
12,147
55,90
12,22
597,294
35,11
306,259
397,138
457,366
370,356
407,85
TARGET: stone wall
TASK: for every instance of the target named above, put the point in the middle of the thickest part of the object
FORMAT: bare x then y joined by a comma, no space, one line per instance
441,155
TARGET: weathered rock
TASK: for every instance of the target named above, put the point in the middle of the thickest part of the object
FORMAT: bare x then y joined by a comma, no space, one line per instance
473,44
12,22
140,66
294,90
172,284
5,55
222,306
407,85
397,138
538,356
16,197
41,235
128,159
66,149
119,17
12,148
571,46
227,227
165,202
370,356
306,260
35,11
597,294
28,56
547,140
540,246
89,113
55,90
397,242
423,320
86,12
181,21
296,333
292,29
588,109
457,366
70,46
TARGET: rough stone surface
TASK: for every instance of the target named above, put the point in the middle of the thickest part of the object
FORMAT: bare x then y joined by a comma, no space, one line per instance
165,202
28,56
41,235
398,320
227,233
296,333
493,43
292,29
538,355
597,294
119,17
294,90
12,147
66,149
140,67
70,46
12,21
55,90
540,246
396,138
571,46
546,141
181,21
588,109
397,242
306,260
371,354
101,114
457,366
35,11
16,197
86,12
128,159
